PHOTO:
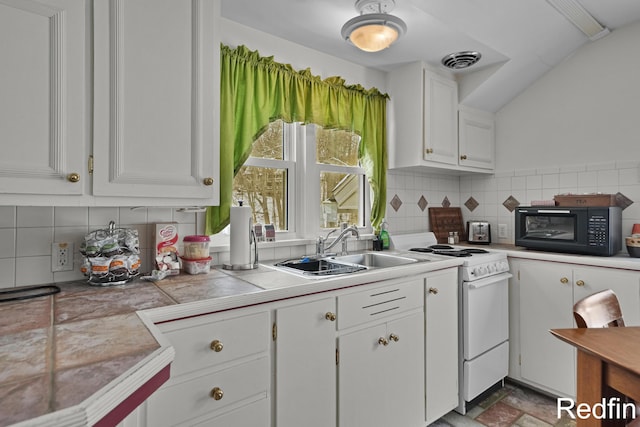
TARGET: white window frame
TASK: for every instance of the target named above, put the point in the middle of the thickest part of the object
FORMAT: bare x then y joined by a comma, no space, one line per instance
303,183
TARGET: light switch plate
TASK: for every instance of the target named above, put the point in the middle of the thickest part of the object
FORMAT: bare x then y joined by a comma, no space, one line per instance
503,231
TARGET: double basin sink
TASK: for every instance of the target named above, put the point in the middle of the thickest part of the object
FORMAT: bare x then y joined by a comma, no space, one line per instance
318,267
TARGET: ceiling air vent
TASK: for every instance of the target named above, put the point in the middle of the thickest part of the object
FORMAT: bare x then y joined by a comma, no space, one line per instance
460,60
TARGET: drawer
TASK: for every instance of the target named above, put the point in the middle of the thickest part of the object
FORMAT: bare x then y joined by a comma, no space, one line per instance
203,342
180,401
374,303
255,414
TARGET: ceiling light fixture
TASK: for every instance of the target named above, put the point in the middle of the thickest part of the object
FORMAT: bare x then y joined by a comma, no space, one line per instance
374,29
580,17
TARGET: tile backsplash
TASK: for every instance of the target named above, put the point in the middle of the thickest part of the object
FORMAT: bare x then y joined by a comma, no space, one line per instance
27,233
493,197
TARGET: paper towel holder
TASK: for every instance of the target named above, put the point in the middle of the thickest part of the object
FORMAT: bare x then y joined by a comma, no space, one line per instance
250,265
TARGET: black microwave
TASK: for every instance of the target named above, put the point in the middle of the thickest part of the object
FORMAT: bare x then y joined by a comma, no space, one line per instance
580,230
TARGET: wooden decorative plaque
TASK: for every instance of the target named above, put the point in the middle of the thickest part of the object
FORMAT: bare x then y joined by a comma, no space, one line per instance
444,220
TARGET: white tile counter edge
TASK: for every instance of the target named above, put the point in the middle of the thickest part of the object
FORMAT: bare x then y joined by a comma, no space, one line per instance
621,261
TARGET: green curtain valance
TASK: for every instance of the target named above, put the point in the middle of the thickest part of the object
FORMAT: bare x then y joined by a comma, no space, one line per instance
256,90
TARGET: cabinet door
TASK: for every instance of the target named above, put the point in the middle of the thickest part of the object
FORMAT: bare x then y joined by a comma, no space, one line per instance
362,391
156,71
381,375
42,84
440,119
441,347
403,372
306,365
626,285
476,138
546,301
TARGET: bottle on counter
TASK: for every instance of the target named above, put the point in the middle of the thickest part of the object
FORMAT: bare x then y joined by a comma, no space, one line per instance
451,239
384,235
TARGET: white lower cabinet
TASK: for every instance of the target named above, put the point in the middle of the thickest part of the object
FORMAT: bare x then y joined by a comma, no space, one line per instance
305,353
351,357
221,372
441,346
381,362
547,292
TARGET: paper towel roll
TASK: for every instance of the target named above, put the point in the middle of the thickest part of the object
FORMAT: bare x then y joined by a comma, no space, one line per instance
240,237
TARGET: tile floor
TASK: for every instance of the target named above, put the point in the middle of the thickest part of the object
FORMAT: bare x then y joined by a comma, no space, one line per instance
512,405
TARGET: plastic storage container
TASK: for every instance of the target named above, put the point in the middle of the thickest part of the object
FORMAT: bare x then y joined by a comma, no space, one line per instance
196,247
196,266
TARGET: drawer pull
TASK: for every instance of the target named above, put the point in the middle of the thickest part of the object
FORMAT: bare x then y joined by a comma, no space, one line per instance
73,177
216,346
564,280
433,290
429,151
394,338
330,316
207,181
580,283
463,157
217,393
383,341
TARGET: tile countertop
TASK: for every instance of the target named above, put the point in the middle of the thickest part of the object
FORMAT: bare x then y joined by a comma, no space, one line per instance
81,357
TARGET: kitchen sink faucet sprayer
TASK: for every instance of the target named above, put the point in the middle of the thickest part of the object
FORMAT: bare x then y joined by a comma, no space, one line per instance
342,237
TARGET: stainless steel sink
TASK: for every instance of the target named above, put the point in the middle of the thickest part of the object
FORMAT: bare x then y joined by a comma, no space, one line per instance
318,267
346,264
375,259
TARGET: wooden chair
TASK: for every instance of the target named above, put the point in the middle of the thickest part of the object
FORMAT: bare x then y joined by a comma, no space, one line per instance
599,310
602,310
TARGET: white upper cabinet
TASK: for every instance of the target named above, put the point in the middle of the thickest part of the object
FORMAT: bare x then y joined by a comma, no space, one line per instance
42,82
476,133
156,67
425,131
119,108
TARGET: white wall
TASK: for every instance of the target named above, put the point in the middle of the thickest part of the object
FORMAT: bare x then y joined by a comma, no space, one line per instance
300,57
575,130
585,110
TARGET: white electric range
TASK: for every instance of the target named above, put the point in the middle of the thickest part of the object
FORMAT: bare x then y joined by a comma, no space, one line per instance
483,307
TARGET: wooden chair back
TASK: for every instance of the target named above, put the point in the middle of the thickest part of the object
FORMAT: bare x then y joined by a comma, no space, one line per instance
599,310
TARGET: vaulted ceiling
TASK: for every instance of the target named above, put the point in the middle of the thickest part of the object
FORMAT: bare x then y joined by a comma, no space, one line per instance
519,40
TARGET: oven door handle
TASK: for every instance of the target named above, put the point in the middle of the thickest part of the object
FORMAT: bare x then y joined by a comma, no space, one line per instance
489,280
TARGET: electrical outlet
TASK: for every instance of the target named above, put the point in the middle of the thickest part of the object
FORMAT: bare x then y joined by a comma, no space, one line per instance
503,231
61,256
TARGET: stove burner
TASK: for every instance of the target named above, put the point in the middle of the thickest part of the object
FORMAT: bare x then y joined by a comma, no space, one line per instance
476,251
439,247
425,250
461,253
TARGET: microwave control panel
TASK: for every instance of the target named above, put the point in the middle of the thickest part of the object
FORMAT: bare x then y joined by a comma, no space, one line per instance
598,230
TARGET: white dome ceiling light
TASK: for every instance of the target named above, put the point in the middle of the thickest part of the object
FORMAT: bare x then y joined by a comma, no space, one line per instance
374,29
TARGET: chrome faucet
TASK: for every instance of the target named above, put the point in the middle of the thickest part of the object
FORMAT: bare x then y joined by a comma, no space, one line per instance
342,237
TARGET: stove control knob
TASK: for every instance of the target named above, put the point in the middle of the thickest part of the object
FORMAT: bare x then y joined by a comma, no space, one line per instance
482,271
492,268
476,271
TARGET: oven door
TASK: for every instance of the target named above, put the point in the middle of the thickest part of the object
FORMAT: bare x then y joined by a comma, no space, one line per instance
485,314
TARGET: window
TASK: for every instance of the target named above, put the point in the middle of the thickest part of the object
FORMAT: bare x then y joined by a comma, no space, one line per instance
303,178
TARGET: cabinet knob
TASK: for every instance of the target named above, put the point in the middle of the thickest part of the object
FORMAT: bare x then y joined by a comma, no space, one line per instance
463,157
216,346
207,181
433,290
217,393
429,151
383,341
330,316
394,338
73,177
564,280
580,283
